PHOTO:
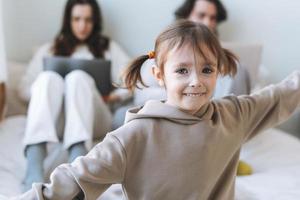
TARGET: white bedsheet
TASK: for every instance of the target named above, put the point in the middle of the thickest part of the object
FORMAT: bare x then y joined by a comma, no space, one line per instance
12,161
274,155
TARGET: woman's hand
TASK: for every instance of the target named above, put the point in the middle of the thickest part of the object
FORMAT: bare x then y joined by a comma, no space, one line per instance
112,98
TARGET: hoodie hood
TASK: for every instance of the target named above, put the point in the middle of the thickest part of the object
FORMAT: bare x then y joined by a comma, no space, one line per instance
158,109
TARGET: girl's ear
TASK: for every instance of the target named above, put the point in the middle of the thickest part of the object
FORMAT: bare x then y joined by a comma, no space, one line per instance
158,75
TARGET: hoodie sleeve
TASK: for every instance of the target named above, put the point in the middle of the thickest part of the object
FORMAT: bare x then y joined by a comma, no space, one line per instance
263,109
91,174
270,106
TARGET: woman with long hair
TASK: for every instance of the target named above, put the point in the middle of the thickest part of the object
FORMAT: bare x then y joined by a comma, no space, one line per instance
67,108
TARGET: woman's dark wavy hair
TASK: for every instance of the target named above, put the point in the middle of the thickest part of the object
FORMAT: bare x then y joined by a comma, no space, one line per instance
186,8
66,42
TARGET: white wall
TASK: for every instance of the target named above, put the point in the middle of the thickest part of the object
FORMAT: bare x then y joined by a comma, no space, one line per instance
29,24
135,23
3,73
274,23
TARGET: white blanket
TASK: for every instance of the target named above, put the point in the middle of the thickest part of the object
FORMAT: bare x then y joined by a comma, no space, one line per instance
12,161
274,156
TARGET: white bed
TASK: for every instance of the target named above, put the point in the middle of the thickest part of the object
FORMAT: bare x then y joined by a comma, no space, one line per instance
13,163
275,157
273,154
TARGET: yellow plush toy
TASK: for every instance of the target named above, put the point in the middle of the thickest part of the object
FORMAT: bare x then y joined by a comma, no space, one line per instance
244,169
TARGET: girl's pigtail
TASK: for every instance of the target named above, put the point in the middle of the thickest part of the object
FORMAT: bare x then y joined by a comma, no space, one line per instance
230,66
132,73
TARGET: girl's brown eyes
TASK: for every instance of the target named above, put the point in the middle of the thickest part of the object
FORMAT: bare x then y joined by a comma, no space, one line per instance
207,70
182,71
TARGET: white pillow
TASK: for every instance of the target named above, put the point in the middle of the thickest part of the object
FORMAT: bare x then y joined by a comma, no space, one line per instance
249,56
14,104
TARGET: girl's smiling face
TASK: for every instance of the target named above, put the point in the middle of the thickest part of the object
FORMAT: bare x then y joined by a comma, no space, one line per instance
188,78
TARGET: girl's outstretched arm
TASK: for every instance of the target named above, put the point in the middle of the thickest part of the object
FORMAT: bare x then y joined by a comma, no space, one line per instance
91,174
263,109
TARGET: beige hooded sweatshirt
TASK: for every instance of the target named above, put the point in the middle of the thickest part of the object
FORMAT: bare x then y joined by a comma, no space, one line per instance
162,153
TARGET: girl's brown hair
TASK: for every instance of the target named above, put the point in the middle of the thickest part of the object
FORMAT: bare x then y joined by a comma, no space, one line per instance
184,32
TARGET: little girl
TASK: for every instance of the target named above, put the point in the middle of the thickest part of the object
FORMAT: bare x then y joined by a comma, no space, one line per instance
186,147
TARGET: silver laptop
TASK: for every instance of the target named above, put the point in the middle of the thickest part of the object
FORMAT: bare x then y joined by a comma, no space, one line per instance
99,69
